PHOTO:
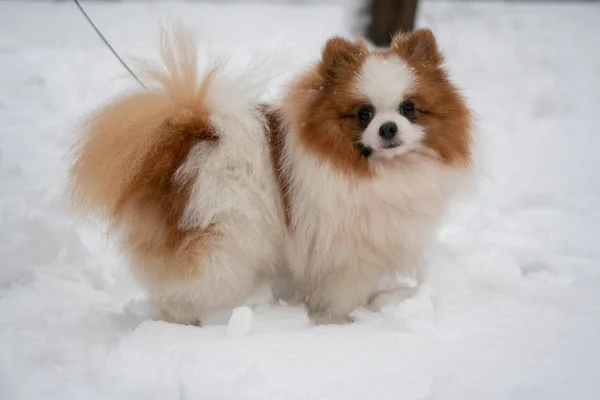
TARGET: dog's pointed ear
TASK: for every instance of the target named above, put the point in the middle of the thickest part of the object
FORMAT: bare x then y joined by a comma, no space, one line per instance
419,46
340,55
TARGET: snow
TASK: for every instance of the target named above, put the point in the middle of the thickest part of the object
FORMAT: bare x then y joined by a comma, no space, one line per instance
240,322
511,304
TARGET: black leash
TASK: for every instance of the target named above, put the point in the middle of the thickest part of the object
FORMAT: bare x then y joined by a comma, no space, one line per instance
108,44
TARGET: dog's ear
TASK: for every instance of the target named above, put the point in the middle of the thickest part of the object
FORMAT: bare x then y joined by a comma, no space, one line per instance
419,47
340,56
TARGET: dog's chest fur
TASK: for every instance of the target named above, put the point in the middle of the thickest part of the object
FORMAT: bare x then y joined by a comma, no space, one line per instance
382,221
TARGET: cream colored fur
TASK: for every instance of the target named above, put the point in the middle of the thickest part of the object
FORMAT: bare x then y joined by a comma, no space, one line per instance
350,233
230,230
234,189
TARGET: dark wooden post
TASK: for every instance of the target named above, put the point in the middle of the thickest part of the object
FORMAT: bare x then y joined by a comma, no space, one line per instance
388,17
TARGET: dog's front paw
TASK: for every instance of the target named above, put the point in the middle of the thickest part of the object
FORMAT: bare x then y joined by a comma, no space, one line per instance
327,318
180,318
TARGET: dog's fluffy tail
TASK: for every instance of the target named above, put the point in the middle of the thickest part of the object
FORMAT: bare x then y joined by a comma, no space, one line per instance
129,150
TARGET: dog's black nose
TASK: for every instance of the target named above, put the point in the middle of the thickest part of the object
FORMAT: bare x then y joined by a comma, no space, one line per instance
388,130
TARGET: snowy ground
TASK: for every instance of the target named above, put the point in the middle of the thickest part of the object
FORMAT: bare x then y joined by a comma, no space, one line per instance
511,308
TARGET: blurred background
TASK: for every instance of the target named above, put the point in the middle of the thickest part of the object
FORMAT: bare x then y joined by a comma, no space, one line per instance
381,17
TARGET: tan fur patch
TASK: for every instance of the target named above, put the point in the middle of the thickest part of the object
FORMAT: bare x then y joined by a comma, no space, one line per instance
445,117
126,163
276,141
325,101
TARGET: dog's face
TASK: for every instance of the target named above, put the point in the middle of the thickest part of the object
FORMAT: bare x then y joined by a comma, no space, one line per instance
371,106
388,116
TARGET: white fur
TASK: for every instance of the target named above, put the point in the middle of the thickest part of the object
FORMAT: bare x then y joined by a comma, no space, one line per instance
362,231
235,190
386,82
349,233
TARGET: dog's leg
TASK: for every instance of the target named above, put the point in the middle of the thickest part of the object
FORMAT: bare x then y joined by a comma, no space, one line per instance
283,287
332,297
180,312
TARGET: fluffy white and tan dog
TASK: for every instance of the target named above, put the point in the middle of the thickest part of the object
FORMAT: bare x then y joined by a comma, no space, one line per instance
342,184
370,147
182,173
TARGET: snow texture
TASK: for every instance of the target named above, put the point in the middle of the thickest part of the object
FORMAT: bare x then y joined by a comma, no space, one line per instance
240,323
511,304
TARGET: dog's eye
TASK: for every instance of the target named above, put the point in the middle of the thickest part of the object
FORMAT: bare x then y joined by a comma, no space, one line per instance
408,109
365,114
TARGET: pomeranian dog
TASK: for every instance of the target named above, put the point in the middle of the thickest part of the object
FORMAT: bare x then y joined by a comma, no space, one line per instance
182,173
369,147
342,184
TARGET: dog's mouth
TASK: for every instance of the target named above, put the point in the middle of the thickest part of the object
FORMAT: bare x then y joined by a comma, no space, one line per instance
367,151
391,145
